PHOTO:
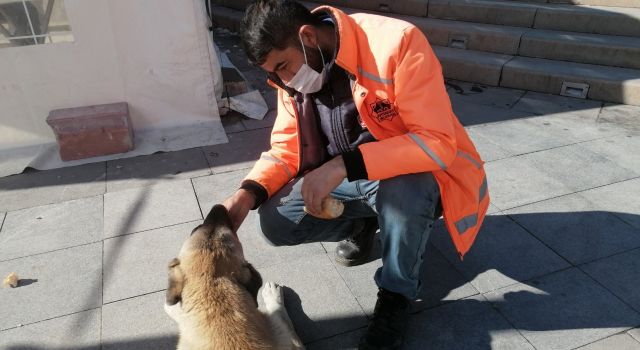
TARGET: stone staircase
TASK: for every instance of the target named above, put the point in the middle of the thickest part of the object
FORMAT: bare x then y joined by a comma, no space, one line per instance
577,48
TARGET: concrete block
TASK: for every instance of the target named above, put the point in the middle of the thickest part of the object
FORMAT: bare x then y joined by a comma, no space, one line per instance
138,324
616,199
589,19
85,132
234,83
615,3
406,7
317,299
52,285
576,229
472,114
241,152
156,168
232,122
33,188
605,83
137,264
51,227
468,65
617,150
635,333
215,189
141,209
541,104
470,323
472,36
493,12
345,341
266,123
488,270
618,342
563,310
606,50
461,91
489,151
81,330
625,116
622,283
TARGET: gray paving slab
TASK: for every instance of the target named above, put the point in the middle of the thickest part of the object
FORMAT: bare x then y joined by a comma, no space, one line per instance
232,122
468,324
617,200
52,285
623,150
146,208
539,103
241,152
75,331
33,188
215,189
618,342
156,168
482,94
138,324
473,114
503,254
267,122
619,274
317,299
489,150
2,217
563,310
345,341
137,264
576,229
625,116
51,227
635,333
516,181
441,282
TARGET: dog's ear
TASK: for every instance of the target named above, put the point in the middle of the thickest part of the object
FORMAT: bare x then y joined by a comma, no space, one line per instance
176,282
251,280
218,216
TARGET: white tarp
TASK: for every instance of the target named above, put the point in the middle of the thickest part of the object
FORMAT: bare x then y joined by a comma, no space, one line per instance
157,55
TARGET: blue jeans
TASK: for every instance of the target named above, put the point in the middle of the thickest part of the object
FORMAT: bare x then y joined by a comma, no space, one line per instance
406,207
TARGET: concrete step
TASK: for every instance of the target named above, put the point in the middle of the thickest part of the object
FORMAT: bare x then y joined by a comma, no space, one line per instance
402,7
606,50
614,3
474,66
612,84
583,19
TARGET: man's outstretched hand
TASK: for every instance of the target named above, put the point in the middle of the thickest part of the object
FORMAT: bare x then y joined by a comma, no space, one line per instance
317,184
238,206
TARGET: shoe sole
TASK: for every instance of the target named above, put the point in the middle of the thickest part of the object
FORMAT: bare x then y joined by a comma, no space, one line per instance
351,262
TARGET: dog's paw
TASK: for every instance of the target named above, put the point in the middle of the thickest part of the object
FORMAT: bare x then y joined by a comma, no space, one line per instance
273,295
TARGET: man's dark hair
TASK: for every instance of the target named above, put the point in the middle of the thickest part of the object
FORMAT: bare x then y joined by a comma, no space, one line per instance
273,24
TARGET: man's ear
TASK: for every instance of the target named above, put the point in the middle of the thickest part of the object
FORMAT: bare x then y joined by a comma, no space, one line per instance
309,35
176,282
251,280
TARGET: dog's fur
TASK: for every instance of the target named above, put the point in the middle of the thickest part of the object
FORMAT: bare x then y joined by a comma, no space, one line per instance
212,294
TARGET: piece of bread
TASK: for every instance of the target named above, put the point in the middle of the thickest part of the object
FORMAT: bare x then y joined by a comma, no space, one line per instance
10,281
331,208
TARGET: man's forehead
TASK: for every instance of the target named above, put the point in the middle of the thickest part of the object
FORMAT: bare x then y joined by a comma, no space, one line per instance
275,56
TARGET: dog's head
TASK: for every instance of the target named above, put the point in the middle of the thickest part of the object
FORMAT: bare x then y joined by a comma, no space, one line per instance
212,251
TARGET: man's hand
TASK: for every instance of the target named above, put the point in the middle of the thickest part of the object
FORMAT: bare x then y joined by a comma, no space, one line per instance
238,206
318,183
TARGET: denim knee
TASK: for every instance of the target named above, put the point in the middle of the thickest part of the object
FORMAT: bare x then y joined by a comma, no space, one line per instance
274,227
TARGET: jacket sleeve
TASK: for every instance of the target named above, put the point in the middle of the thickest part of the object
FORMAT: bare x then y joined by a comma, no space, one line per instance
425,109
279,165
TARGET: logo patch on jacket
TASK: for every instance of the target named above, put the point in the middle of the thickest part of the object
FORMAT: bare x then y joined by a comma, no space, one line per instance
383,110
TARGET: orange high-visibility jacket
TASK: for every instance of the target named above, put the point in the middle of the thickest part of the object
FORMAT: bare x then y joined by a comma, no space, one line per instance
400,95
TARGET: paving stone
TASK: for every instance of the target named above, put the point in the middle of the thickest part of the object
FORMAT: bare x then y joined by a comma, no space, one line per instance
619,274
563,310
137,264
489,151
232,122
76,331
623,150
51,227
472,114
46,283
241,152
516,181
33,188
146,208
215,189
483,94
267,122
2,217
467,324
621,115
156,168
138,324
538,103
317,299
345,341
635,333
574,228
441,282
617,200
618,342
503,254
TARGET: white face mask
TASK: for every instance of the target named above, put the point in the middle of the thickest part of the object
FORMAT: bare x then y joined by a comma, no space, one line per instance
307,80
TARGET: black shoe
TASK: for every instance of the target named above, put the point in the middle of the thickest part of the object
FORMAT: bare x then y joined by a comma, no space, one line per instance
387,328
355,250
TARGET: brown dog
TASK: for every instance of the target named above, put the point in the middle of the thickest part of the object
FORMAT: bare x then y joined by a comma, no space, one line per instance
212,294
